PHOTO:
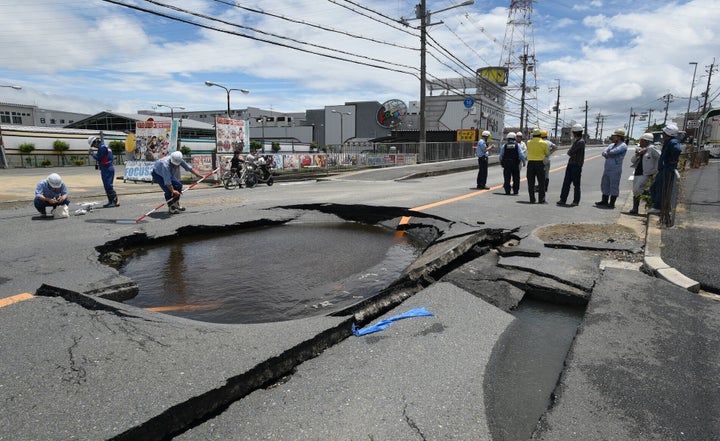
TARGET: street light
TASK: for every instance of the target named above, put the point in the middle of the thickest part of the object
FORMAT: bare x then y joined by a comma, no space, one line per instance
423,14
244,91
341,123
172,108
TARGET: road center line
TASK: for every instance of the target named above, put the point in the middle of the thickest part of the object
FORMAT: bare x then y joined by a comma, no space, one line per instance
15,299
406,219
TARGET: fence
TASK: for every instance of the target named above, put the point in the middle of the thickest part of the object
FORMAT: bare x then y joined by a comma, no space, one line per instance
379,154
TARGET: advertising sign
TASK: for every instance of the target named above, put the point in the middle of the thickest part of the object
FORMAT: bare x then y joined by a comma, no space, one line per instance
496,74
390,113
231,135
468,135
152,142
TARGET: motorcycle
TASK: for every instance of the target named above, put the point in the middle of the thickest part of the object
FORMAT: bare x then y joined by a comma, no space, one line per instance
260,168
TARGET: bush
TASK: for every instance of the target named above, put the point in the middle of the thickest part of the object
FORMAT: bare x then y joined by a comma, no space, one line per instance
185,150
117,147
46,163
60,147
275,146
256,145
26,148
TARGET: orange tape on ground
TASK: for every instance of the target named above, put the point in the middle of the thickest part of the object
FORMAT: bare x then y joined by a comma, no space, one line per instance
15,299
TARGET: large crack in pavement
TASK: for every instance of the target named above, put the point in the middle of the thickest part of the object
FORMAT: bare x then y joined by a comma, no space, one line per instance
465,255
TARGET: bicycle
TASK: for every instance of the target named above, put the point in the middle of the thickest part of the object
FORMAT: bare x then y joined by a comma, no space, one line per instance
231,179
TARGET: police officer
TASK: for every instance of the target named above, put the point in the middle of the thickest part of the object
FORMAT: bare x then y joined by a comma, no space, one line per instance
511,155
482,153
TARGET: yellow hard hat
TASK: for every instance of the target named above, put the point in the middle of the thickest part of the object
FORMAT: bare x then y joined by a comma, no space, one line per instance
543,133
536,132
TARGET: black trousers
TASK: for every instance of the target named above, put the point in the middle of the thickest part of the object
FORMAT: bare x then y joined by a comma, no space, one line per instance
573,172
482,171
511,172
536,170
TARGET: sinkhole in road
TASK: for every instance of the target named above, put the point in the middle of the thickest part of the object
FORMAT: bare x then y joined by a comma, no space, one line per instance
269,274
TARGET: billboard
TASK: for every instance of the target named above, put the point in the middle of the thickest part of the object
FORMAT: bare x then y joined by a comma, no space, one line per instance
231,134
390,113
496,74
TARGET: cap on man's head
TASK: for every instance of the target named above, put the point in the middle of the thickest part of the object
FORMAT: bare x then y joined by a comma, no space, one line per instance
619,132
511,135
537,132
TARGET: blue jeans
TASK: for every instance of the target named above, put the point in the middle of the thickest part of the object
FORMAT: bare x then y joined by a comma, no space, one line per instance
42,205
174,182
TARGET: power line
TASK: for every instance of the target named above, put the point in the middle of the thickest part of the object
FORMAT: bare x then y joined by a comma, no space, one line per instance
183,20
315,25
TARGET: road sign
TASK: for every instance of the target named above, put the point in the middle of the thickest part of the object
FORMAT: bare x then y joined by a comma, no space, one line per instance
469,102
693,124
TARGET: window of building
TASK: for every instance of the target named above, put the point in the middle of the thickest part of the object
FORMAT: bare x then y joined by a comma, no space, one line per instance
62,121
52,121
17,119
5,117
42,120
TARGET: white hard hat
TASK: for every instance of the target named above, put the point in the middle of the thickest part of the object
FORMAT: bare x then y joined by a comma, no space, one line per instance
577,128
176,157
485,133
92,139
648,137
670,129
54,180
511,135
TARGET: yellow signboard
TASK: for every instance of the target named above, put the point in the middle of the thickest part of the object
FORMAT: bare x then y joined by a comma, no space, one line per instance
495,74
469,135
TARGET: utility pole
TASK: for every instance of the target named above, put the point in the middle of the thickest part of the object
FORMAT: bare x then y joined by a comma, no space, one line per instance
707,89
557,107
586,115
522,92
650,111
668,99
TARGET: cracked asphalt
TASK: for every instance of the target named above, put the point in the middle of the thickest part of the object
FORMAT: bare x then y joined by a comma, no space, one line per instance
75,365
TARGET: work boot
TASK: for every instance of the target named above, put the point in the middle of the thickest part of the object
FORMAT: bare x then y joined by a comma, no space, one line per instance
172,208
612,202
603,202
636,206
178,206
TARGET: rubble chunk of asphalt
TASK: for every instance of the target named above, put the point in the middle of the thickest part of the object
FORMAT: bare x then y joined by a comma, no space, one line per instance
489,281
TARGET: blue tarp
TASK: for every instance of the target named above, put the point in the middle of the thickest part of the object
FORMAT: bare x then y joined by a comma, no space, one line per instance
379,326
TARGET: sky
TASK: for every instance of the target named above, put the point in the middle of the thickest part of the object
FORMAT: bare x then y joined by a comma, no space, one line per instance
88,56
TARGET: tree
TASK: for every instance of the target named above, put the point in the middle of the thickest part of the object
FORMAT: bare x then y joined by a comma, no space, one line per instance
275,146
60,147
118,148
25,148
256,145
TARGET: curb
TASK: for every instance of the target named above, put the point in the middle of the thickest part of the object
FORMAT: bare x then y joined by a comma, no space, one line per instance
653,263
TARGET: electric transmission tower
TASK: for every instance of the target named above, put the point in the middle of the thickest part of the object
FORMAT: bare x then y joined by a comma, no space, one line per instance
518,56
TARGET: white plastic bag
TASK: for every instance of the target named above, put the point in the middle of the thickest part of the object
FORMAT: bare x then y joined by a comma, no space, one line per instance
61,211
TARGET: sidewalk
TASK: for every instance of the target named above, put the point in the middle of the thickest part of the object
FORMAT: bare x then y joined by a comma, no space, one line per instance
692,246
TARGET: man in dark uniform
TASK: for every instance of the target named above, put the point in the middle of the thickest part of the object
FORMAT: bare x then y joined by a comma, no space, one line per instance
511,155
